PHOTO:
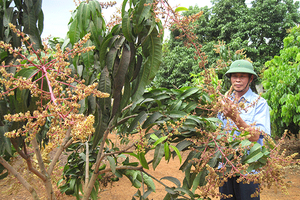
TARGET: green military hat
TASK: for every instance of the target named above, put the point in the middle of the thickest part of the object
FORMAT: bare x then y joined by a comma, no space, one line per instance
241,66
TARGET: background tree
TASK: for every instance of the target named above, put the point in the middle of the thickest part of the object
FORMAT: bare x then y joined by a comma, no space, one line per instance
228,19
259,29
281,82
269,22
176,68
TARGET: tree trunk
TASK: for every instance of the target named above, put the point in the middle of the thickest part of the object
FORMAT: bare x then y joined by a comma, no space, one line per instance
48,184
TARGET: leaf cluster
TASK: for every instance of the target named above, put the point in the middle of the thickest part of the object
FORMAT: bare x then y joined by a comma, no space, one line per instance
281,82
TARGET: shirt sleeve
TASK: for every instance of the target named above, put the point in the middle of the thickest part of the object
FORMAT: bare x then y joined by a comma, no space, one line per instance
262,116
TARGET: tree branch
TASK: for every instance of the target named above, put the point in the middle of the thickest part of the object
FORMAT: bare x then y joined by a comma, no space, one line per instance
47,182
87,164
20,178
28,161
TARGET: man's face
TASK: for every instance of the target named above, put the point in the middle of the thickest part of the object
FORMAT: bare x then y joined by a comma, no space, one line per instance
239,81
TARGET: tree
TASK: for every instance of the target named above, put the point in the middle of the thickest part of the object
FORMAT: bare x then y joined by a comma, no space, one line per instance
281,82
258,29
268,24
125,61
228,20
127,57
176,68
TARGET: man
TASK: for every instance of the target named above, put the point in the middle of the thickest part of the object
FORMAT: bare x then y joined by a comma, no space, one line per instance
241,75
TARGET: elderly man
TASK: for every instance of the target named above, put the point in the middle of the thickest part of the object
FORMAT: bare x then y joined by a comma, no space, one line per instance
241,75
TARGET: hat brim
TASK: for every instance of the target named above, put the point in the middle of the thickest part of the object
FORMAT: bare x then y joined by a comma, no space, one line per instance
240,70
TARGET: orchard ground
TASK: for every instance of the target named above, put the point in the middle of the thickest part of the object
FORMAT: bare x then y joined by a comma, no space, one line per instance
122,189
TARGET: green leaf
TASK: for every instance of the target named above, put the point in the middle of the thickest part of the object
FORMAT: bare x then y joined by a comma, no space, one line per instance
7,17
254,156
160,140
154,137
94,194
82,156
72,183
185,191
196,119
143,160
95,9
133,154
123,7
170,191
183,145
84,18
138,120
110,58
95,34
143,11
119,79
112,164
158,154
147,180
126,27
30,18
88,57
176,105
153,49
27,73
255,147
150,120
196,181
172,179
188,93
190,106
167,151
103,111
101,127
132,175
177,152
74,32
178,9
104,49
245,143
213,162
176,114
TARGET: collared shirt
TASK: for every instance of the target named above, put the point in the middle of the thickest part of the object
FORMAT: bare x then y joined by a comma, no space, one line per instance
257,114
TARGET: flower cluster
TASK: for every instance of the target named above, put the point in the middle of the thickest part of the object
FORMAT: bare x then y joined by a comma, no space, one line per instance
52,87
83,126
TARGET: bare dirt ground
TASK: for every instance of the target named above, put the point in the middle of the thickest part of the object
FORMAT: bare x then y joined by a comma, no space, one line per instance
123,190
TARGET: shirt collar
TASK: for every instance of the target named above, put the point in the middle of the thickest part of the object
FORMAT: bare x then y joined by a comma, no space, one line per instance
246,97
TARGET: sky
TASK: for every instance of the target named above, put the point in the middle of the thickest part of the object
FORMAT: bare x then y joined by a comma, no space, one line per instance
57,13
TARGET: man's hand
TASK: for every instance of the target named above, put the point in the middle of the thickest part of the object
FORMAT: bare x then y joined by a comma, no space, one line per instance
231,111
